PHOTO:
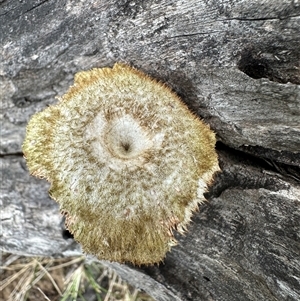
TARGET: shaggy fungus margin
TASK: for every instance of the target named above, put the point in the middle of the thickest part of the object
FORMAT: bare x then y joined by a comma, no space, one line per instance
127,161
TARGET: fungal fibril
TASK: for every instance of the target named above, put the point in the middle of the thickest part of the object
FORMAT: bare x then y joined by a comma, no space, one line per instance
127,162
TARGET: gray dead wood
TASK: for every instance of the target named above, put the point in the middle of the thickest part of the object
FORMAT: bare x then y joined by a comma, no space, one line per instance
236,64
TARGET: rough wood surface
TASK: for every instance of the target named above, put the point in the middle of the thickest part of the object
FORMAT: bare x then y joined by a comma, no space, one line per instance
236,64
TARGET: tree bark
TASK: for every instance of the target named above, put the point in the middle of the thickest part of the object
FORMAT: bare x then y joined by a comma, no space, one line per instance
236,65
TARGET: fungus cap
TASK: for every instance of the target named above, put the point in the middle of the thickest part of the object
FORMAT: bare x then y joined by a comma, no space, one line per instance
127,161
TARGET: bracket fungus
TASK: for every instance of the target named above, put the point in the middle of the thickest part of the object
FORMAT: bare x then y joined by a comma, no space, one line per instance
127,161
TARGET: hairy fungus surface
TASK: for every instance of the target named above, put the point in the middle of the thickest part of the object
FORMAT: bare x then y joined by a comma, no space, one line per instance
127,161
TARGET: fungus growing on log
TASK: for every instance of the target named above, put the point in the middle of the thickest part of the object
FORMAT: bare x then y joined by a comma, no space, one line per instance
127,161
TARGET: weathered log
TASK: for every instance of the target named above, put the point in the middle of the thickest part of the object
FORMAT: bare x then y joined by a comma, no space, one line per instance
236,64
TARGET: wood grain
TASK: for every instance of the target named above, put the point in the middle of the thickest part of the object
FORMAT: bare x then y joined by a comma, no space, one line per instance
236,64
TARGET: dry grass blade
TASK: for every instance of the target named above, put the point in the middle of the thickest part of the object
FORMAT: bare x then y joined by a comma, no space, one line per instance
71,261
111,285
5,282
63,279
8,261
50,277
46,298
